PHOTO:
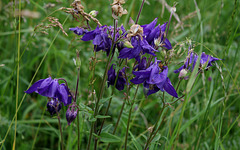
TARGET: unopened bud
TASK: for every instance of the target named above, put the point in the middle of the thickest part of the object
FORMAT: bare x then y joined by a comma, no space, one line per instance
93,13
127,44
183,73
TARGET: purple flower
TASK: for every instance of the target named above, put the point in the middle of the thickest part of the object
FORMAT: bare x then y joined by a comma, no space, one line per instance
205,61
71,113
153,33
50,88
45,87
140,47
154,78
63,94
53,105
78,31
121,81
100,38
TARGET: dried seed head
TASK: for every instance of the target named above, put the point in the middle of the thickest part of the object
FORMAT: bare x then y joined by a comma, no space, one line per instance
117,9
135,30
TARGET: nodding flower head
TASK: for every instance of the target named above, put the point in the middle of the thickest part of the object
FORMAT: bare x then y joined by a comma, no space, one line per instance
53,106
121,81
154,78
50,88
78,30
71,113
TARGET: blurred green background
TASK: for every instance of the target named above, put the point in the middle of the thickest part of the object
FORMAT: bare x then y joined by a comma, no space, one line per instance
211,115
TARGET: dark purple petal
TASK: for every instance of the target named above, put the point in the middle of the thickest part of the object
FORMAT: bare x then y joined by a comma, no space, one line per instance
78,31
48,90
63,94
35,86
52,106
89,36
71,114
167,44
170,89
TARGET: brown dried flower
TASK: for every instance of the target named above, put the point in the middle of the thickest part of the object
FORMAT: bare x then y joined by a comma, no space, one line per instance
117,9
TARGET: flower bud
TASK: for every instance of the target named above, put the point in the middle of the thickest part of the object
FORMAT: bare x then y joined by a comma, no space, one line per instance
183,73
71,113
127,44
53,105
93,13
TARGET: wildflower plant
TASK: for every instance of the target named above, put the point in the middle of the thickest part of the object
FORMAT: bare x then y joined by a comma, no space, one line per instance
143,56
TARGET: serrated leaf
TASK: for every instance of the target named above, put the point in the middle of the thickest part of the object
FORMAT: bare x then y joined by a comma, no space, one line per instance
109,138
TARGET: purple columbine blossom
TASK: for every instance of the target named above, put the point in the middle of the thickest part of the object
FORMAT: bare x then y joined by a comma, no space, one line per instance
192,59
101,40
155,78
50,88
121,81
78,30
71,113
152,33
140,47
53,105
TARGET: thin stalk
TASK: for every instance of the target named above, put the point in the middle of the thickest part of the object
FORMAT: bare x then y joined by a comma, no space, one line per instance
18,68
129,115
159,118
129,118
140,10
60,128
102,87
75,100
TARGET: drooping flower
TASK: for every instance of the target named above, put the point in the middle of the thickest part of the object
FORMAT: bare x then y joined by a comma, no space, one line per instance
205,61
45,87
140,47
121,81
101,40
78,30
154,78
63,94
53,105
141,65
50,88
71,113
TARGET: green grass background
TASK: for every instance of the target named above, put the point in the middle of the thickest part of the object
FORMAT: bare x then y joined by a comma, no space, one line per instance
211,110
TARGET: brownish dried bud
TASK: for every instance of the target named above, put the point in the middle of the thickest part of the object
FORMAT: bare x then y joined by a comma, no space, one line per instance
135,30
117,9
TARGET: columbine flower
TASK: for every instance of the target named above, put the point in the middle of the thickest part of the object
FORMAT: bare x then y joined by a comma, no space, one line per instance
63,94
121,81
140,47
100,38
154,78
71,113
50,88
205,61
141,65
45,87
156,35
53,105
78,30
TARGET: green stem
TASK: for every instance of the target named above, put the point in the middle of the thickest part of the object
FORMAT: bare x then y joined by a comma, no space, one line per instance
75,100
60,128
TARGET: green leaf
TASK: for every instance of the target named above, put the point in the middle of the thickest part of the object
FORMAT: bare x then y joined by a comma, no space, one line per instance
107,128
101,117
109,138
